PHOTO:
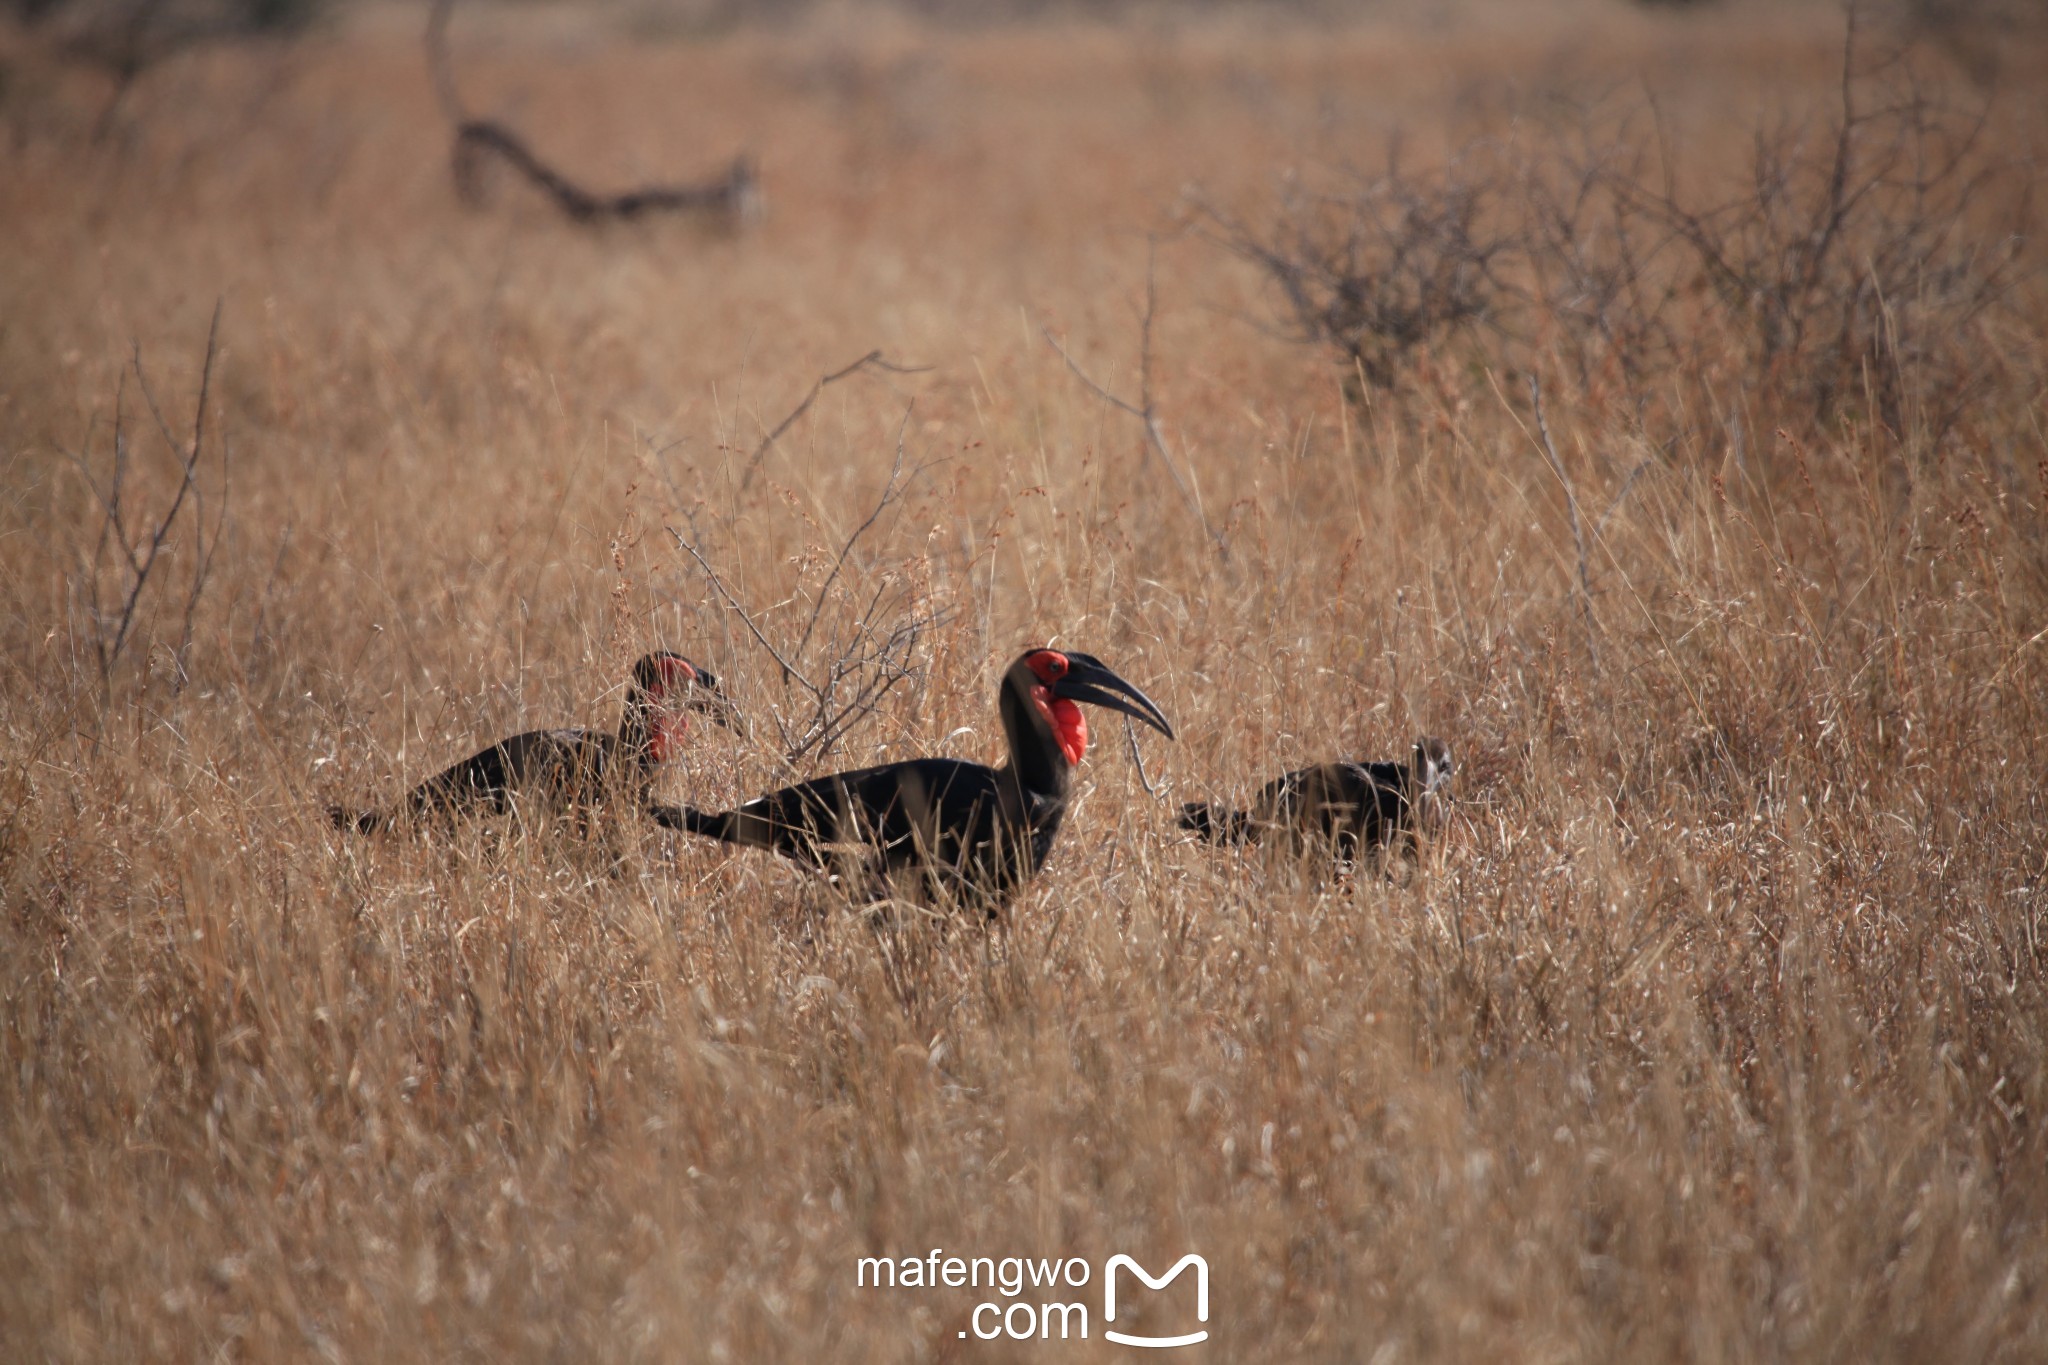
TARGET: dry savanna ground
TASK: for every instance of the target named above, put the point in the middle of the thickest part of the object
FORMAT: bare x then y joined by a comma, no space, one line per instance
1713,1029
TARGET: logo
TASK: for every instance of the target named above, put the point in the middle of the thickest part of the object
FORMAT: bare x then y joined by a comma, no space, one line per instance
1201,1298
1025,1310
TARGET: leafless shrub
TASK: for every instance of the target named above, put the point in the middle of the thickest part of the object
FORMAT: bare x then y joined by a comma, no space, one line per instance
834,680
1385,267
1604,305
130,544
1857,250
1853,256
126,38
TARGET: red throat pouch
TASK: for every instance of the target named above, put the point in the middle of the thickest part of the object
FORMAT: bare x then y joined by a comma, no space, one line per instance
1069,726
667,737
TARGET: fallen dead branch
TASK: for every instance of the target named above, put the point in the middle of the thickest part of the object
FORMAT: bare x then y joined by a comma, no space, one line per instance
732,200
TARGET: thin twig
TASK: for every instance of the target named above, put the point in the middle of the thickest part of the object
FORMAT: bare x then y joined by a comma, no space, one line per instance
1154,441
888,496
203,551
883,678
1138,757
140,566
872,358
879,660
1145,410
789,670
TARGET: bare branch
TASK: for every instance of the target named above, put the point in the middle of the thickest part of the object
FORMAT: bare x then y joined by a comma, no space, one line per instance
140,566
1380,270
847,671
888,496
1144,410
204,551
872,359
789,670
1137,757
439,68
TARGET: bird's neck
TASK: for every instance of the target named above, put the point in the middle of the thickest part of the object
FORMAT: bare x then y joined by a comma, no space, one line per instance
1418,774
643,737
1038,767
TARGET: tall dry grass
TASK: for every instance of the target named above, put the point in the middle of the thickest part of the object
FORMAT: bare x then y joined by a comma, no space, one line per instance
1714,1032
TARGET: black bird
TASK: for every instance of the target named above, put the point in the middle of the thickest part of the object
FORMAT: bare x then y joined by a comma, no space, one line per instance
1337,806
570,769
966,833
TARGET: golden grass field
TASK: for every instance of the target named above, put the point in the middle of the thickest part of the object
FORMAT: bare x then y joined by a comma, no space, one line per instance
1715,1029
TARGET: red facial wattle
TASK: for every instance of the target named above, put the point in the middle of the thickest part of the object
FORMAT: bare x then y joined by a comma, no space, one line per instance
1069,726
667,738
674,676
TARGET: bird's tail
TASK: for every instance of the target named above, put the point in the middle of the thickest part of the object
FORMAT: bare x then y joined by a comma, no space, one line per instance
361,821
711,824
1215,824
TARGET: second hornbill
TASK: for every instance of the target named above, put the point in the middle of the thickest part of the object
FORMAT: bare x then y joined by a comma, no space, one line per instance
567,770
1337,806
964,833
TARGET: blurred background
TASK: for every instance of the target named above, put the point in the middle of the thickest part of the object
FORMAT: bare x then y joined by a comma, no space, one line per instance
1647,398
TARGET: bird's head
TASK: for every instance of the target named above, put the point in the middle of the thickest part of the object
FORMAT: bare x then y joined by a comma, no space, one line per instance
1056,680
668,687
1430,769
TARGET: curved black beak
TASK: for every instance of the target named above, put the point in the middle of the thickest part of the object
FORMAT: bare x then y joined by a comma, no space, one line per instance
1089,679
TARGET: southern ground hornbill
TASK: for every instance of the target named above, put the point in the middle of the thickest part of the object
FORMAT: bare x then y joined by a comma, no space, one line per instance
571,769
943,830
1337,806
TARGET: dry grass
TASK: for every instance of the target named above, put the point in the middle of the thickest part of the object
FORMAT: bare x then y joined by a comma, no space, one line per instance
1719,1031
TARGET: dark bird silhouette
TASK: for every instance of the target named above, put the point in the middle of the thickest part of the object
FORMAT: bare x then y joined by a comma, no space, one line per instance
568,770
1337,806
943,830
